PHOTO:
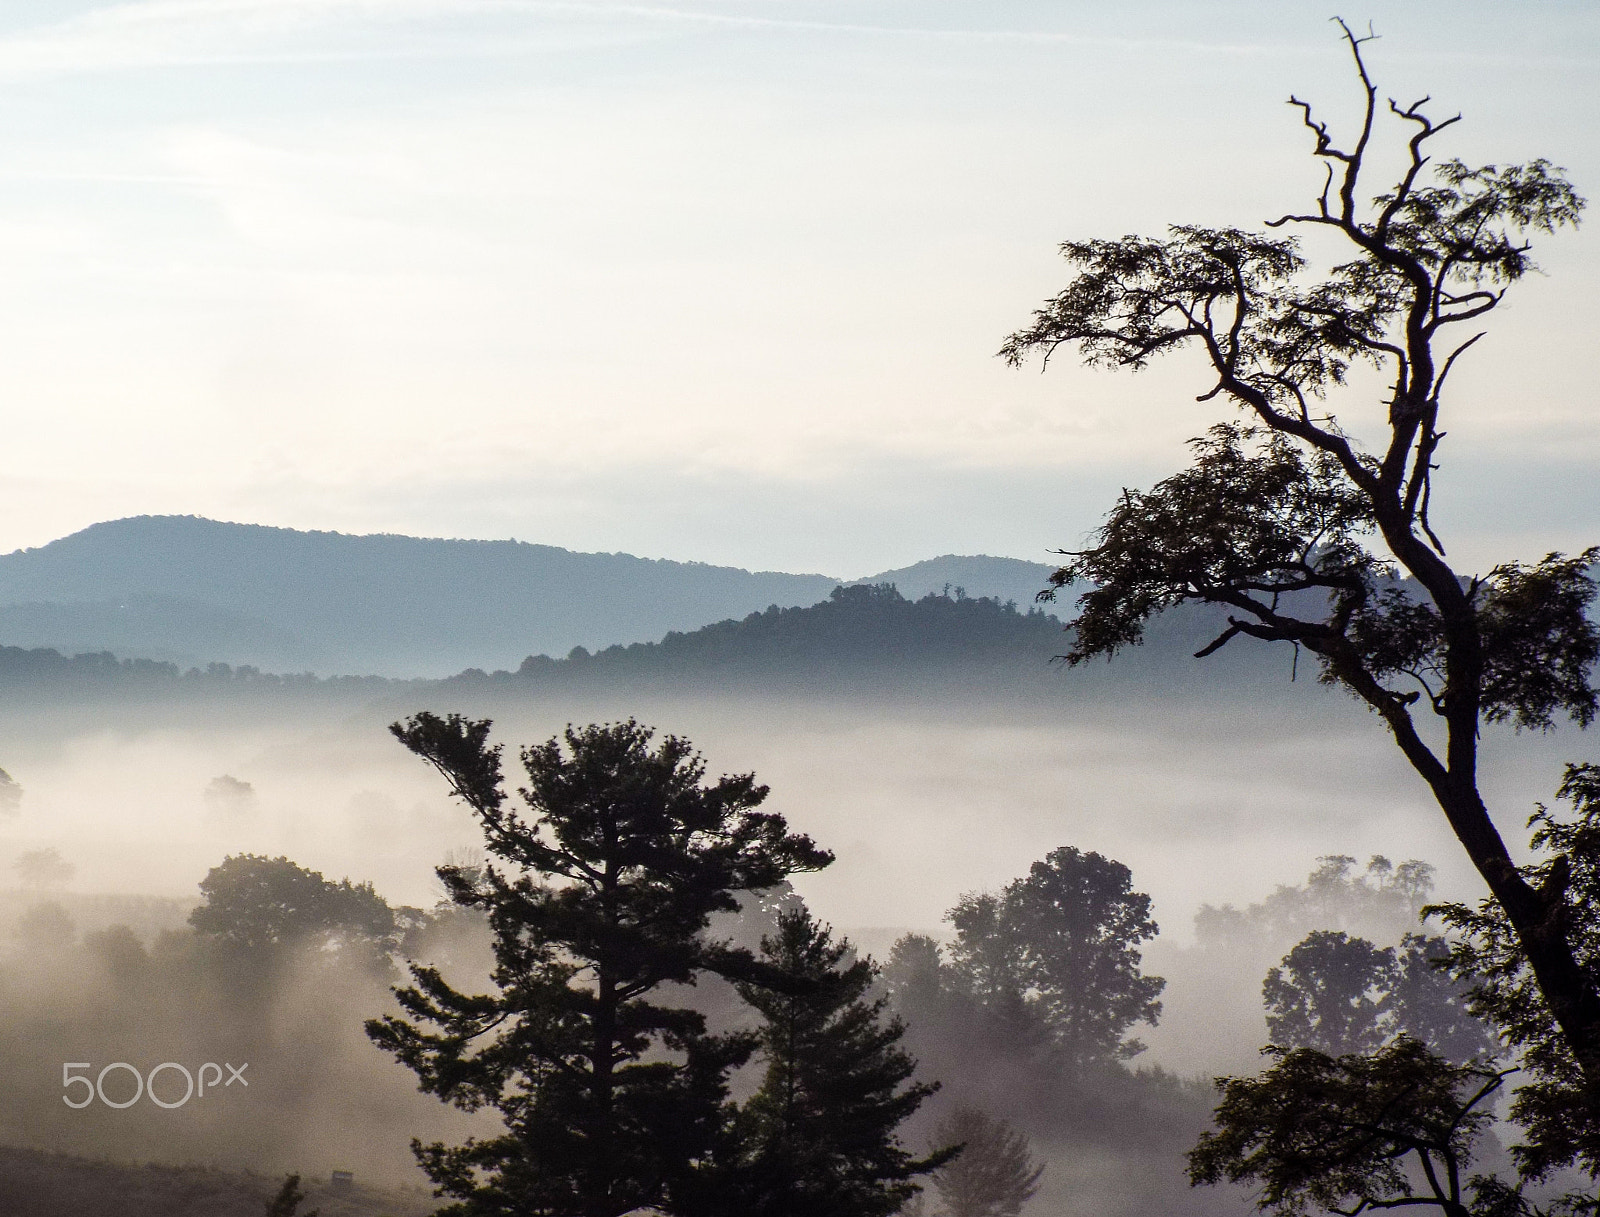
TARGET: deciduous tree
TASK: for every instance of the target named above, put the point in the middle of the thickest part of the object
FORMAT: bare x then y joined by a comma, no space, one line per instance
1328,994
1552,1104
1058,951
43,868
1307,537
256,909
1391,1129
1340,995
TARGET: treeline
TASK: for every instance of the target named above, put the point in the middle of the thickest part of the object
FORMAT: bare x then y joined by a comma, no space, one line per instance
870,638
39,1183
44,668
860,633
608,866
273,973
1023,1017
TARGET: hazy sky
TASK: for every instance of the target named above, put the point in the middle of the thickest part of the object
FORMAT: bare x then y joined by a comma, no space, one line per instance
712,280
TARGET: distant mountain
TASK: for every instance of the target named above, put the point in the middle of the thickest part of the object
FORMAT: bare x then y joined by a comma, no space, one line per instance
192,591
979,576
862,638
187,632
188,588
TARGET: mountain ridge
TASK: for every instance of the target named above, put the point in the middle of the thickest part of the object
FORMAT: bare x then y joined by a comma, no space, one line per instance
189,590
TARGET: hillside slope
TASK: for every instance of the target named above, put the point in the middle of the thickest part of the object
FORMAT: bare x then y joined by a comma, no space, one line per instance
870,639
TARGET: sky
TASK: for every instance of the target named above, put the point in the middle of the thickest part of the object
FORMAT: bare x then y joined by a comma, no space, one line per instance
718,280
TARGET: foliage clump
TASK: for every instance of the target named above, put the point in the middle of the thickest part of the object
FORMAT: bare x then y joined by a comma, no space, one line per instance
1054,957
1394,1128
1342,995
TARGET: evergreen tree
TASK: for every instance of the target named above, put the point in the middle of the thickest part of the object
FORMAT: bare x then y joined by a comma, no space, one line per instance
612,1101
821,1130
995,1173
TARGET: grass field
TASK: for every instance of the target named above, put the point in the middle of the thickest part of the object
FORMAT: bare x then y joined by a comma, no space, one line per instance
34,1183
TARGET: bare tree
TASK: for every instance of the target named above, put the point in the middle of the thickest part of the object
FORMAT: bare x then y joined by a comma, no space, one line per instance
1306,537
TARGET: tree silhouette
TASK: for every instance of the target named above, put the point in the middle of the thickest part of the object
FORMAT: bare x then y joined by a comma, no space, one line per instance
993,1175
226,793
256,909
1552,1106
43,868
1304,536
1334,897
287,1202
1343,995
1057,952
1327,994
45,927
821,1130
1341,1132
611,1101
1425,1002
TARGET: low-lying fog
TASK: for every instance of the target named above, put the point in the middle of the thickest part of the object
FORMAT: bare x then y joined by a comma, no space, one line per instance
921,803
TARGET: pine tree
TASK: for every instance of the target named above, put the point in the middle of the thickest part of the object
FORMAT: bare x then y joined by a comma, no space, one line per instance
994,1174
820,1134
611,1101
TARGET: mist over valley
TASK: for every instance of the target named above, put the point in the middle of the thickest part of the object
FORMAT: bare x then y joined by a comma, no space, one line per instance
930,742
798,609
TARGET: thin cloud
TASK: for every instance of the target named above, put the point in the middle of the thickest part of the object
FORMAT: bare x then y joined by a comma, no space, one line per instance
176,33
179,33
